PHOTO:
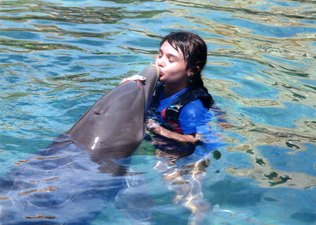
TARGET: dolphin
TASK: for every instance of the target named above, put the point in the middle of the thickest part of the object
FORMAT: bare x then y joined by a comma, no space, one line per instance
114,127
72,180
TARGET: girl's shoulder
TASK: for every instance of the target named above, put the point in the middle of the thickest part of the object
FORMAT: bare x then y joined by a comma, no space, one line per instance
194,115
195,107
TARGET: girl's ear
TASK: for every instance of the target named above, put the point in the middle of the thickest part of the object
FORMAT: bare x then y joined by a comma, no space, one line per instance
193,71
190,73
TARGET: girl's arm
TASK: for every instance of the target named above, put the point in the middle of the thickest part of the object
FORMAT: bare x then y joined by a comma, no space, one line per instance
184,138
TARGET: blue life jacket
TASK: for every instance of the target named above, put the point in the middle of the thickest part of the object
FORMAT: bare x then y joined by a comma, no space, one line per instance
171,114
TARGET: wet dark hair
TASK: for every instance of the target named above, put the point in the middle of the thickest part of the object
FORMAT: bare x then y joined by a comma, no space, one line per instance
194,52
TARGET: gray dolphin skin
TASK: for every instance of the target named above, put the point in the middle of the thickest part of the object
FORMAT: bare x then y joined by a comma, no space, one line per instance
114,127
75,178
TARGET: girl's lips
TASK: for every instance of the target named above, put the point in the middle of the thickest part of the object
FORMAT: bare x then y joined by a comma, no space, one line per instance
161,74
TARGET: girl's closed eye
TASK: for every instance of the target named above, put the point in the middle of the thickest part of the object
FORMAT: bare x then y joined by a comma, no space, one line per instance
172,59
160,54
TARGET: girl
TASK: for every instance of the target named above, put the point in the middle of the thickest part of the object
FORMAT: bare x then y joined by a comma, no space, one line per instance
181,103
179,110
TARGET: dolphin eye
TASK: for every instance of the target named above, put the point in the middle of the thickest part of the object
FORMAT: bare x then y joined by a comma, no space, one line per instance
97,112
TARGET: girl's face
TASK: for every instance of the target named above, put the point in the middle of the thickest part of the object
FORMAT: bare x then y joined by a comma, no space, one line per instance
172,65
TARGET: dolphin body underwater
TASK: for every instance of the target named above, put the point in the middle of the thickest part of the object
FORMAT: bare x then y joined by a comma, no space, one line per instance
72,180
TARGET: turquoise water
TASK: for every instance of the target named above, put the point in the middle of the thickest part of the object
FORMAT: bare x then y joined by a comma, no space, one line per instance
58,57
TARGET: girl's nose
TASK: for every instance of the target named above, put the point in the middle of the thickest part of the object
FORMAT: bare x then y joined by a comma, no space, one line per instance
160,61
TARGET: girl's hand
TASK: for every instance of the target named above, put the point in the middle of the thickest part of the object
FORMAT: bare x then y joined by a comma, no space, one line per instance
155,128
136,78
151,124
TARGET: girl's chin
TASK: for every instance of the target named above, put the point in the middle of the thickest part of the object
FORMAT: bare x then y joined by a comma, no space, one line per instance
161,79
164,81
